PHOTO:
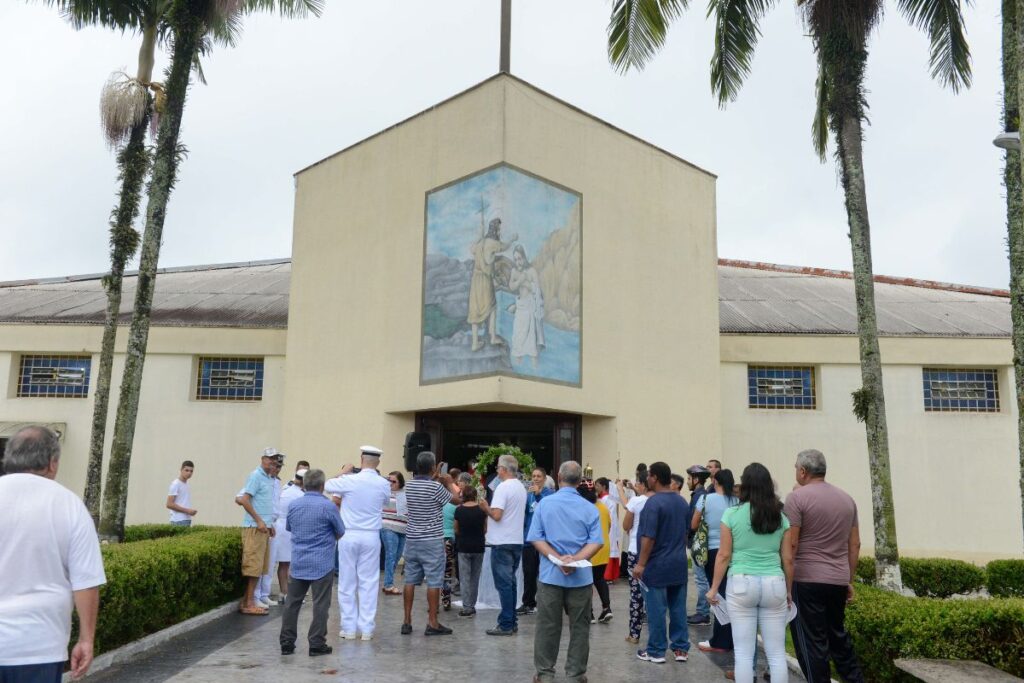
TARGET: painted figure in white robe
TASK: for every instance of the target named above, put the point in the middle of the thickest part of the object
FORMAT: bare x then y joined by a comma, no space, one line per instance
528,310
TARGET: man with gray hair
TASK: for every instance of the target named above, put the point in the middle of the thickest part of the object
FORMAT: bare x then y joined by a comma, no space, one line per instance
826,542
568,528
507,511
315,526
363,496
47,526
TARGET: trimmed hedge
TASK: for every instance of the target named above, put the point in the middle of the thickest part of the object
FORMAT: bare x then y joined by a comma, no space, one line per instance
1006,578
930,577
886,626
149,532
157,583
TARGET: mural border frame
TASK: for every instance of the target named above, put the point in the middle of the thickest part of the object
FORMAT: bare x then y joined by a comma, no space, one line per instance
423,280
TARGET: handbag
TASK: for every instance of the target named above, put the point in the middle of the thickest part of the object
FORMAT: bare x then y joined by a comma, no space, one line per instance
699,545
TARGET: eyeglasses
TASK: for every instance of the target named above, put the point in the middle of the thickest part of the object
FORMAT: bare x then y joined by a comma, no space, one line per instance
393,481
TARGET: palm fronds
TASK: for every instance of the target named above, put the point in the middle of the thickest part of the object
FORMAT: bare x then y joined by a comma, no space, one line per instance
123,104
737,31
289,9
819,126
950,57
637,30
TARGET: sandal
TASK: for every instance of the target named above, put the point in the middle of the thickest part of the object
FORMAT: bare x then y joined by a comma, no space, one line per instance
254,611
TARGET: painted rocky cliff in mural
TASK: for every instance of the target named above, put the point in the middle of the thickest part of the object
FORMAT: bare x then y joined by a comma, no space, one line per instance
501,279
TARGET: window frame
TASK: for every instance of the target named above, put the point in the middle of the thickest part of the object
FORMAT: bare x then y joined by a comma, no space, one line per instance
23,384
797,403
204,391
934,404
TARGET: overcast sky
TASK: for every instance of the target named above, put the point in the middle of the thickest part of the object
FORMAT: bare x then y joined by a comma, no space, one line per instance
293,92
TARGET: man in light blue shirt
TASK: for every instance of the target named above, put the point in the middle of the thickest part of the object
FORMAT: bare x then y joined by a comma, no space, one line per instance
257,499
569,528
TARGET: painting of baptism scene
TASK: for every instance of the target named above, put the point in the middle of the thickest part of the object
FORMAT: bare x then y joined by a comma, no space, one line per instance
502,279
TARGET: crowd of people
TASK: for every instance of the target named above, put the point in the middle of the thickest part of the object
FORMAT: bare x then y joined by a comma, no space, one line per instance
758,564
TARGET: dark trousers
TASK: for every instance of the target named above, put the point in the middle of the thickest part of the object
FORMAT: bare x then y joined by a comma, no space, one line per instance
531,569
32,673
721,634
819,633
321,606
601,585
552,603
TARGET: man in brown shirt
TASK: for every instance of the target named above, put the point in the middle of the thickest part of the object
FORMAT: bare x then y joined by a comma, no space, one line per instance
826,542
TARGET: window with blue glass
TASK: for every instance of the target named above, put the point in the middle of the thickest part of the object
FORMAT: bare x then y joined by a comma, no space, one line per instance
230,379
961,390
54,376
781,387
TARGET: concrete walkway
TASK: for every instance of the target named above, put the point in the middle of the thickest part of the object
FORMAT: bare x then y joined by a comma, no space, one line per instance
241,648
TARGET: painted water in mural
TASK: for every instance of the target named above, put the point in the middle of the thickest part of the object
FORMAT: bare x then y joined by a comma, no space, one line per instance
502,279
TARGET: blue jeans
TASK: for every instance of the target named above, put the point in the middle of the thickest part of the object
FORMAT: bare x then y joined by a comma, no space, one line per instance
504,563
182,522
671,602
700,580
32,673
394,544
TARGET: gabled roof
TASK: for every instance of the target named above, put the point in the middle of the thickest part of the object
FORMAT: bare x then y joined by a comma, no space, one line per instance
754,298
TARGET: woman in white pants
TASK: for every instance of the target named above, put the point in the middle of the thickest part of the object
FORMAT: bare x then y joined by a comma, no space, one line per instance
760,574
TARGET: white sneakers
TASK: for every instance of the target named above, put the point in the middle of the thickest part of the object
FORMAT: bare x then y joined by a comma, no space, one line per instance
345,635
263,602
366,636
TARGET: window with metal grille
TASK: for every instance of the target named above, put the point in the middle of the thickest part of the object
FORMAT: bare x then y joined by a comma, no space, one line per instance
54,376
230,379
961,390
781,387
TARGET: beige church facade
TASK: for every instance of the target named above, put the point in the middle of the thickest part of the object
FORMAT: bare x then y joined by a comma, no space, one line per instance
505,267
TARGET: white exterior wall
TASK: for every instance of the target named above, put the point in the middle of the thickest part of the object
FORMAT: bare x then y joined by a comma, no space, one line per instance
954,474
223,439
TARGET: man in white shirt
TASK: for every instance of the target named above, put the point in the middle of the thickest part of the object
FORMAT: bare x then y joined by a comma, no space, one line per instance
507,511
179,497
48,526
282,545
363,496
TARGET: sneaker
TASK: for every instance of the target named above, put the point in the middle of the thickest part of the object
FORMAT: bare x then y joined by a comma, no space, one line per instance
500,632
526,609
606,616
406,629
681,655
644,657
366,636
593,619
699,620
263,602
347,635
318,651
467,612
441,630
631,639
705,646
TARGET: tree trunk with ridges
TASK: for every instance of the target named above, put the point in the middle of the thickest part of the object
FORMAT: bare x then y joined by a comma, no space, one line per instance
1013,95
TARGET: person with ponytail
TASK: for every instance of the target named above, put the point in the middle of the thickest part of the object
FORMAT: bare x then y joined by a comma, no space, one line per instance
712,507
759,567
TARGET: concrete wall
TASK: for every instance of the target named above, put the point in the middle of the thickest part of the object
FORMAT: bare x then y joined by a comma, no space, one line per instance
650,333
954,474
224,439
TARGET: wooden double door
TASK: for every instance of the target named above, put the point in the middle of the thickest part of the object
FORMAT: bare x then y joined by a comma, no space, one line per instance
458,437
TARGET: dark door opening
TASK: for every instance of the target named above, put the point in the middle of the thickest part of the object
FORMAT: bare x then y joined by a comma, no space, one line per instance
459,437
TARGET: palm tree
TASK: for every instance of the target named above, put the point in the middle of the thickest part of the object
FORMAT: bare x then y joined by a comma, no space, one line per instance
1014,209
188,22
126,110
839,30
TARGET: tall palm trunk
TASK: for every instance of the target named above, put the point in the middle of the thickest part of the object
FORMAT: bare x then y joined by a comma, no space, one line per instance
185,18
133,162
1012,97
845,60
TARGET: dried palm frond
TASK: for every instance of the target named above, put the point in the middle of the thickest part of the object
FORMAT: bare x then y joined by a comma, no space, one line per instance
159,105
123,103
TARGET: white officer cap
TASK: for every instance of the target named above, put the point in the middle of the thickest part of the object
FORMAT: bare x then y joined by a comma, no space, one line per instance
370,450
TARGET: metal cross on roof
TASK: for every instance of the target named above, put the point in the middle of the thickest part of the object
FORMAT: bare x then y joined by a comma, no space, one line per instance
506,37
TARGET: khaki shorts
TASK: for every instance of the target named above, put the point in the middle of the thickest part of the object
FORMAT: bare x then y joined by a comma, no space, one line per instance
255,552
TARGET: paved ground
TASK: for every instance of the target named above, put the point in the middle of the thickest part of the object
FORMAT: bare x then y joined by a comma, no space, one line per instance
244,648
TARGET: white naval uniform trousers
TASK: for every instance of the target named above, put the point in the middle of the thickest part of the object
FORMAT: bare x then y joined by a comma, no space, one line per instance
358,576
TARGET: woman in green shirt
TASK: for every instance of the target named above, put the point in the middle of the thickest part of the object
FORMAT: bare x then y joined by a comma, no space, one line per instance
760,573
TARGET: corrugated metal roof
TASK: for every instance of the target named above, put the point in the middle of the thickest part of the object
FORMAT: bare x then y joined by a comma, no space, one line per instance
253,294
753,299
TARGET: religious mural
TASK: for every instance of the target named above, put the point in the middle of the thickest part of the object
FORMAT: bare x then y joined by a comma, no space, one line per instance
502,279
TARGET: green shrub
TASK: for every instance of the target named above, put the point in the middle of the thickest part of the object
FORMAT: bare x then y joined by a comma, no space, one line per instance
158,583
149,532
930,577
1006,578
886,626
940,578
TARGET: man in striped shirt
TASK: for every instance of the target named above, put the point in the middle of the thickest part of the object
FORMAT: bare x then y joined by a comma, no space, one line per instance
425,498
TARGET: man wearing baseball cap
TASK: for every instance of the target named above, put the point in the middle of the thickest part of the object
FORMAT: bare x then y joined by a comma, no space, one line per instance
257,499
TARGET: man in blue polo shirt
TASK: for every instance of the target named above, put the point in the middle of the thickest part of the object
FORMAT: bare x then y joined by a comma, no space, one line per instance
257,499
531,560
569,528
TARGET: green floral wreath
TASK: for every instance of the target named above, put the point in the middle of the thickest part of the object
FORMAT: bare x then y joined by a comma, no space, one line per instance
487,460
